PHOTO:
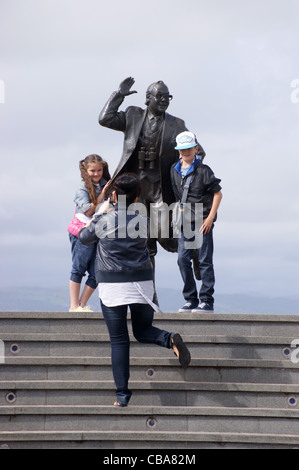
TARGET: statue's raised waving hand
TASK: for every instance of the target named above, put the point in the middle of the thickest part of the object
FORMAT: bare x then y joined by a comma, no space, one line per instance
125,87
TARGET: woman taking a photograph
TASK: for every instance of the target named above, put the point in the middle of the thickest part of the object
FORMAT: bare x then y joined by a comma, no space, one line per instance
125,276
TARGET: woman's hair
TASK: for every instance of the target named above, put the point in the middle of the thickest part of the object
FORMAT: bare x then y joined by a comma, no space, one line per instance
83,165
129,185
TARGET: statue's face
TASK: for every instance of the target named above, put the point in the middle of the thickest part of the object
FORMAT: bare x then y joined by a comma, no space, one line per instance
159,99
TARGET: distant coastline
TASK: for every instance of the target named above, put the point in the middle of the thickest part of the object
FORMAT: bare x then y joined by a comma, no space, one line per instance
57,299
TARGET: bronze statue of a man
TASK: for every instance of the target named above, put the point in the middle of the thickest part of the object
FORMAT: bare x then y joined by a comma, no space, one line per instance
149,141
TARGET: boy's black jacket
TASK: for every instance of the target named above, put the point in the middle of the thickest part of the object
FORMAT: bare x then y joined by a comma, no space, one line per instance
204,185
120,257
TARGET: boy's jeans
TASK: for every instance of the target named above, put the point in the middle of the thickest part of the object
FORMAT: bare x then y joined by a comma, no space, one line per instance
206,269
116,320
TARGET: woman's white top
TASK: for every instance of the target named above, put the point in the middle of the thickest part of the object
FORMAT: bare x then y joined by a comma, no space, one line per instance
113,294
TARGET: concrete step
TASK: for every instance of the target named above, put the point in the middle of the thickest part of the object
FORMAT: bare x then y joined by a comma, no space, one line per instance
203,346
166,368
241,390
186,324
51,392
148,419
146,440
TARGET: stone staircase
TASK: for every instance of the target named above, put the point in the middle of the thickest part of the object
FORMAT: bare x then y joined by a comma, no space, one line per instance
241,390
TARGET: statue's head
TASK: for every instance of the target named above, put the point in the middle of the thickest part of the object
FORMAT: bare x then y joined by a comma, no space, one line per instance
158,98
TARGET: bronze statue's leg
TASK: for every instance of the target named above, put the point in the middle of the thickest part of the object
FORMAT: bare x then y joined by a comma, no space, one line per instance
152,248
155,300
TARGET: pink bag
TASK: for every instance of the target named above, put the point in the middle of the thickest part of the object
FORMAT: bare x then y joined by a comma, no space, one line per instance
75,226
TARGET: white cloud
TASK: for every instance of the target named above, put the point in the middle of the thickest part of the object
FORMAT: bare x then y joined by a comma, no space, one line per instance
230,66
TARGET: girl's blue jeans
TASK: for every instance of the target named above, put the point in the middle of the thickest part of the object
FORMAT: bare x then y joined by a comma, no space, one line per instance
142,316
83,259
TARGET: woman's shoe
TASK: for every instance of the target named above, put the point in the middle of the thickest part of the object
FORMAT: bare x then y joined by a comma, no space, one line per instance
120,405
180,350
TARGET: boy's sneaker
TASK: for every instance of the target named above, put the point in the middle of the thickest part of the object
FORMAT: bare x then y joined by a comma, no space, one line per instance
188,307
203,307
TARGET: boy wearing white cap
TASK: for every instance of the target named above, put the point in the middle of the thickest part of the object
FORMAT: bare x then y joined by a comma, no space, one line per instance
203,187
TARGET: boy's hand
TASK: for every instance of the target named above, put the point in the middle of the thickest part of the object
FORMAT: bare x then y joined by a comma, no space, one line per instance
208,222
207,225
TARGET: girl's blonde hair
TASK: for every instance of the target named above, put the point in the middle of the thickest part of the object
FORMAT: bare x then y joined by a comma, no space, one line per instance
83,165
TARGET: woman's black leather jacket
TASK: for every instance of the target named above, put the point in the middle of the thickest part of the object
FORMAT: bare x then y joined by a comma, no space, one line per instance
122,254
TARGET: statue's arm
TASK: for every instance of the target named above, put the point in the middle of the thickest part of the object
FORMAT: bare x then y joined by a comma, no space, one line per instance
110,116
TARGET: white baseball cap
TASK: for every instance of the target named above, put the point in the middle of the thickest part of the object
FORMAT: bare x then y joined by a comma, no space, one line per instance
186,140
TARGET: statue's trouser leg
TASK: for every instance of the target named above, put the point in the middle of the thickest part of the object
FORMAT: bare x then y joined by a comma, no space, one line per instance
152,248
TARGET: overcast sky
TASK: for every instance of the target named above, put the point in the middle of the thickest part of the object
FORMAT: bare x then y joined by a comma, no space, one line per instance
230,66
